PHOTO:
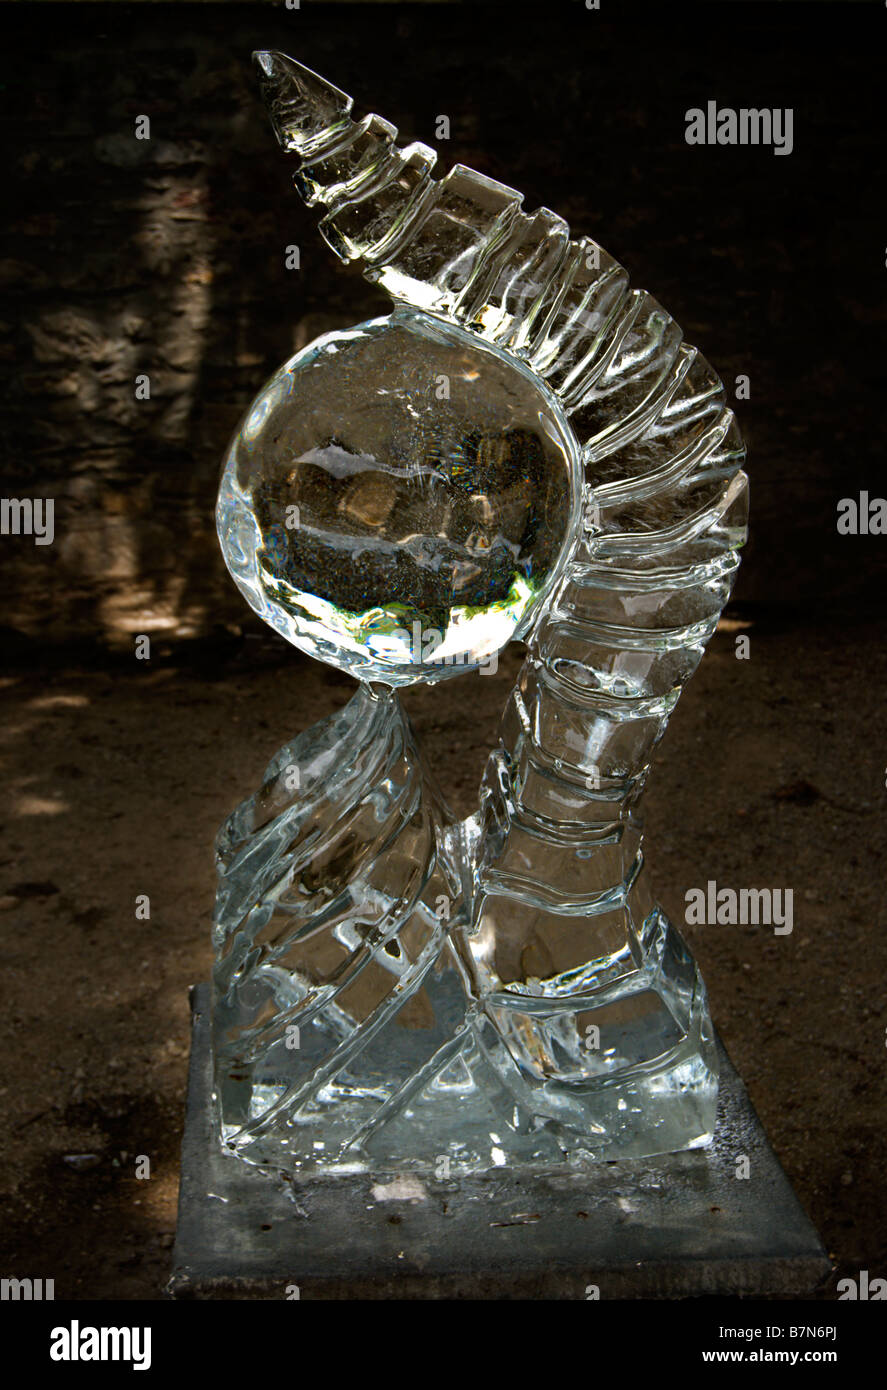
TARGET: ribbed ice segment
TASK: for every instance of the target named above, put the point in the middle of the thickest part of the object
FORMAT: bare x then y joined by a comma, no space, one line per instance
506,298
368,221
576,314
434,265
365,157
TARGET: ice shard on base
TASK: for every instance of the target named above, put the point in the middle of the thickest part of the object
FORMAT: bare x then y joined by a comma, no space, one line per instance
525,447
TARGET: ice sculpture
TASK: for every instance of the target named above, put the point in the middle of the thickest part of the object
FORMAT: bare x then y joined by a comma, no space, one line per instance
525,447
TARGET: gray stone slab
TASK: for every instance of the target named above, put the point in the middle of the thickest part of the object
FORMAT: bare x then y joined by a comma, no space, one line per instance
670,1227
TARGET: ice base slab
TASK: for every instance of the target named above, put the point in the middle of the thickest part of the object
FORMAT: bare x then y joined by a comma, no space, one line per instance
676,1226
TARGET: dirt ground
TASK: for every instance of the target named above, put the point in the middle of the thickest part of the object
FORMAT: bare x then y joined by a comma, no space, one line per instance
118,776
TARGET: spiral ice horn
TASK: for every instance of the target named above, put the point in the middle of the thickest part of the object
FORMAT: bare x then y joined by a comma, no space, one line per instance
460,248
587,1027
422,239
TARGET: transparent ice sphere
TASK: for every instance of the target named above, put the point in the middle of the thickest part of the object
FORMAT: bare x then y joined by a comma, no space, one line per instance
399,498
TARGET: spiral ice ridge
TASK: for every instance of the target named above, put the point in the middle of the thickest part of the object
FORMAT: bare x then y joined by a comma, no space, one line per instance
329,924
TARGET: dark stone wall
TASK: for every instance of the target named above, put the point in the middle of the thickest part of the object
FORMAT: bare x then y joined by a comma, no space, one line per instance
166,257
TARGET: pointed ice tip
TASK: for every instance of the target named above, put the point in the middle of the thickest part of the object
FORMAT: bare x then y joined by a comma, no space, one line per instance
304,107
264,60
